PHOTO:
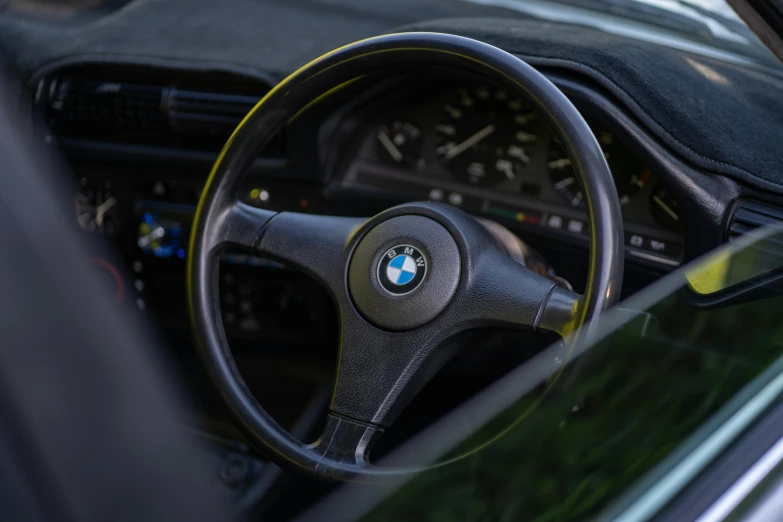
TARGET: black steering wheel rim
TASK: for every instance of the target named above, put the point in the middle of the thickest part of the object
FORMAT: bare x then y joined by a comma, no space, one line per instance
220,221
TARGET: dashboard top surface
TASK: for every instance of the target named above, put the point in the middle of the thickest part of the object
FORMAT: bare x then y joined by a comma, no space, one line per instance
717,116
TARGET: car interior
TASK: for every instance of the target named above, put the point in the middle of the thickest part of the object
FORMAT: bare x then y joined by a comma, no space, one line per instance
538,162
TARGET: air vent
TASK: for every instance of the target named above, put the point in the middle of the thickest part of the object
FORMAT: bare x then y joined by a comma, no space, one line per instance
78,106
131,109
193,112
751,215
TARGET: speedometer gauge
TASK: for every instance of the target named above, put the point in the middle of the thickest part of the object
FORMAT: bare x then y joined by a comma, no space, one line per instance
485,135
630,176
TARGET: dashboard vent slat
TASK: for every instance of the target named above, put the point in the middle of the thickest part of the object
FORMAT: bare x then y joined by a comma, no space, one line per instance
751,215
137,108
211,102
79,106
174,116
754,218
193,112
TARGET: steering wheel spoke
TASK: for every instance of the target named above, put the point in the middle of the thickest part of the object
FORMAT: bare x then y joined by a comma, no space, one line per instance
378,374
505,293
239,226
378,371
345,441
561,312
314,244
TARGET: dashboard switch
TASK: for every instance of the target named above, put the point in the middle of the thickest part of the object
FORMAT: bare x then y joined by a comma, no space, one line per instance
554,221
455,199
575,226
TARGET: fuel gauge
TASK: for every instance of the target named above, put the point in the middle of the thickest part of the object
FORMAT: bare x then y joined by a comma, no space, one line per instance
664,208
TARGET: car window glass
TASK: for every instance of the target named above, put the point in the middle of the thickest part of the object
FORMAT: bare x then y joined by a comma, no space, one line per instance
615,421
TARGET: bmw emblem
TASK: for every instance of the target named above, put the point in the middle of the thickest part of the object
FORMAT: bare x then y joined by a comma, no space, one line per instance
402,269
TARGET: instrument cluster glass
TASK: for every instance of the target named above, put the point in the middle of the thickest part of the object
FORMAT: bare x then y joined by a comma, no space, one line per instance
476,146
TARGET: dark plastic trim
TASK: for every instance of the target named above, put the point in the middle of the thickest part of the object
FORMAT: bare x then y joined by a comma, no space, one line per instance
697,498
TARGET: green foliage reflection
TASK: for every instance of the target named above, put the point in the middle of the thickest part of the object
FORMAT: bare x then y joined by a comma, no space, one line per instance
606,421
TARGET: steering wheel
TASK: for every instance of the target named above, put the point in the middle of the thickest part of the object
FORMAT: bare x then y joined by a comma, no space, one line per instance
403,281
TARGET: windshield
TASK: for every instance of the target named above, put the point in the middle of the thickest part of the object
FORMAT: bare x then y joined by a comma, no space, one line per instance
618,425
711,23
698,26
706,27
719,7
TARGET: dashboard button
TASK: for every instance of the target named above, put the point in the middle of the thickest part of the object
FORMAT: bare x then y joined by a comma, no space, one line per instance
436,195
575,226
658,246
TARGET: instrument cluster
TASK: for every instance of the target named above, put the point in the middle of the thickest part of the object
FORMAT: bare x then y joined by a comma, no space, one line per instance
476,146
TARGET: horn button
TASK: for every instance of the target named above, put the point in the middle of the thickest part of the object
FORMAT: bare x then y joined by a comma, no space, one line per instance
404,272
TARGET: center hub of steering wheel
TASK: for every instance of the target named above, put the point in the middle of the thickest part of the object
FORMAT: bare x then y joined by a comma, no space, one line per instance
404,272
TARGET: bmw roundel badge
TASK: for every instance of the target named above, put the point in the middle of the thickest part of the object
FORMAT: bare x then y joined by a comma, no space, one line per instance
402,269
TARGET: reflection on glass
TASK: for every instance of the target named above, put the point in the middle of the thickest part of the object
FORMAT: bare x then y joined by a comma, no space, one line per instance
725,269
585,436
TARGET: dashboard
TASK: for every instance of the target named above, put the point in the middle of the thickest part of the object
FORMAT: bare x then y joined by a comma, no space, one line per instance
141,145
474,146
158,110
141,148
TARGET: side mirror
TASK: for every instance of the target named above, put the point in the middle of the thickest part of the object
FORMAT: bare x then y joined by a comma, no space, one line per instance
748,270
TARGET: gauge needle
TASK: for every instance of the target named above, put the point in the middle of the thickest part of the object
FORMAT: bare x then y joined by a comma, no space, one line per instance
661,203
459,149
102,209
563,183
559,163
390,147
156,233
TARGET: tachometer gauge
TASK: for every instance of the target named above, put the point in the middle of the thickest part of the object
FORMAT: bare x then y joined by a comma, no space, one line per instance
664,208
97,209
630,176
485,135
399,143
